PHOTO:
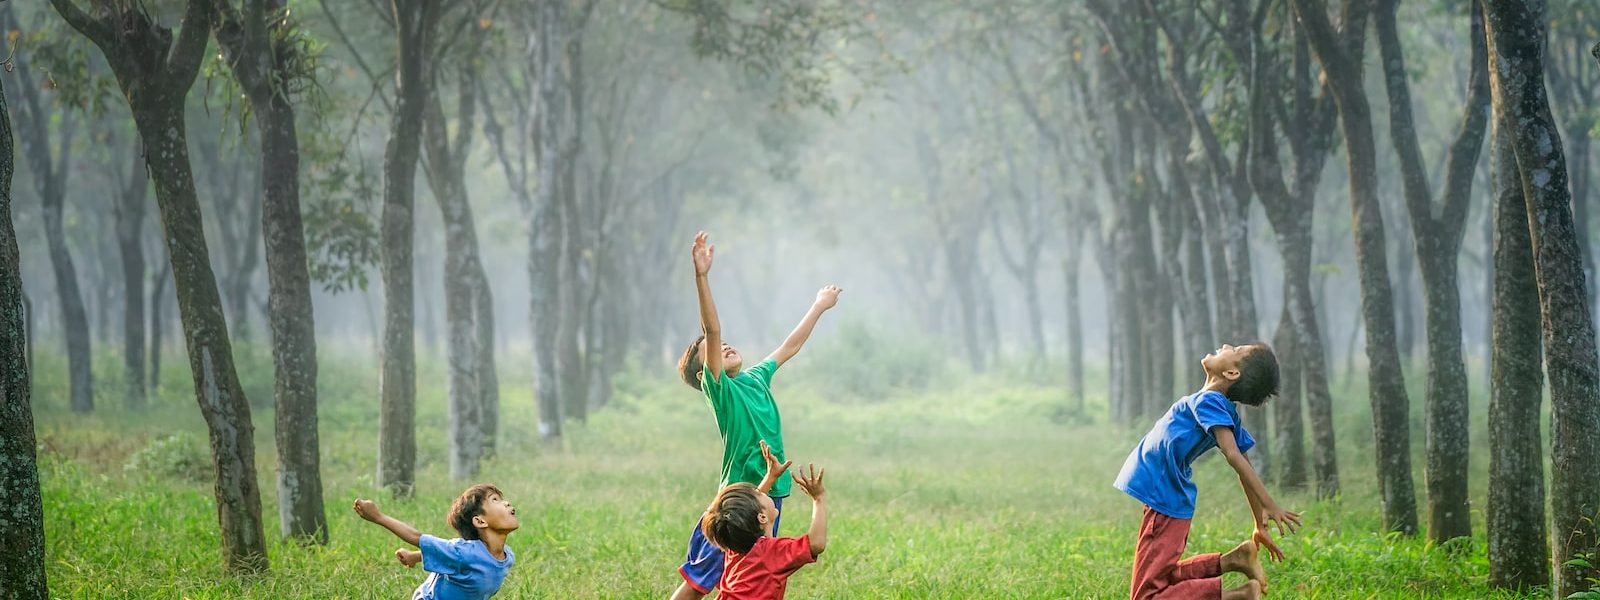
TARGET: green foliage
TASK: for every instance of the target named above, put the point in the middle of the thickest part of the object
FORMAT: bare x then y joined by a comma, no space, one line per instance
342,241
1593,593
860,361
183,456
784,44
75,75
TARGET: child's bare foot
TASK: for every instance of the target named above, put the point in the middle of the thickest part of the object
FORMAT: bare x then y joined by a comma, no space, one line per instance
1246,558
409,558
1251,590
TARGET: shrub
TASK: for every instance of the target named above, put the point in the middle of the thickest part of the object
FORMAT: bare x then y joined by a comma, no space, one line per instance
181,456
862,361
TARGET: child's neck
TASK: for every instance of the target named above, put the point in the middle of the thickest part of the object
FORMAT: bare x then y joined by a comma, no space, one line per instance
495,541
1216,384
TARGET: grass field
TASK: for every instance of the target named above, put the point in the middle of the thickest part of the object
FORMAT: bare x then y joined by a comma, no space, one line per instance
973,488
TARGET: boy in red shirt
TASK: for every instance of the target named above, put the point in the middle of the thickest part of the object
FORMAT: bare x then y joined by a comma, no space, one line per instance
741,522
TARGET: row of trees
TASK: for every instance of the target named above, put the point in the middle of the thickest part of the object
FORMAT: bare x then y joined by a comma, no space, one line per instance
1141,137
566,150
1146,136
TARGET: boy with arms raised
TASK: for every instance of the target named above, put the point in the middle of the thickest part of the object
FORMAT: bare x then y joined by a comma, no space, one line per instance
1157,473
741,400
468,567
743,522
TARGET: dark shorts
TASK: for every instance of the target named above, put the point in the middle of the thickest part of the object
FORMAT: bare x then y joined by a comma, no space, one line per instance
702,568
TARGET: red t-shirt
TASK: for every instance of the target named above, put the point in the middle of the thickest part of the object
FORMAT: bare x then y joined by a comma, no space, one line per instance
763,572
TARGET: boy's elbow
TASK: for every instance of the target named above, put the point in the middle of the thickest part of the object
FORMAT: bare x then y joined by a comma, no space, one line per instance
817,546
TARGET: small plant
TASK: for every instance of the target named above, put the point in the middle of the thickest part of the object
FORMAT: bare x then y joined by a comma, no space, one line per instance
177,456
1593,593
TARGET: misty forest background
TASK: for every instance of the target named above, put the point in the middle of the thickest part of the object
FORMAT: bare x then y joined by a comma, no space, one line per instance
393,247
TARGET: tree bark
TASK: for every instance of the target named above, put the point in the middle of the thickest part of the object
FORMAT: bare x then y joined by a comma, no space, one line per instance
1070,270
1519,551
247,38
1516,33
1437,234
50,169
1289,435
397,428
1391,425
129,212
22,547
155,70
546,229
468,303
158,292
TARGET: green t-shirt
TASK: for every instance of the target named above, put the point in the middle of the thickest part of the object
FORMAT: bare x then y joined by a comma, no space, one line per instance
746,415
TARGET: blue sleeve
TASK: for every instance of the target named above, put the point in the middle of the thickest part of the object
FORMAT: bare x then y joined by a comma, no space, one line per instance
440,556
1212,409
763,372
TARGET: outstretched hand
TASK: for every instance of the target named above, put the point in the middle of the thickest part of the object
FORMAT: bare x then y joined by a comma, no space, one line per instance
775,469
703,253
1287,521
828,296
1264,540
810,480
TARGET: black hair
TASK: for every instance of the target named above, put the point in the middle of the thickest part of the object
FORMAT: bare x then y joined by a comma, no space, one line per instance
468,505
1258,376
733,522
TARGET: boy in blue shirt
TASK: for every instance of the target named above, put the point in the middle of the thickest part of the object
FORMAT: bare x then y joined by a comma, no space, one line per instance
468,567
1157,473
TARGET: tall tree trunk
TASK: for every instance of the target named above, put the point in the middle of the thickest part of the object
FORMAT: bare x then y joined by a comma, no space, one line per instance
1519,551
1391,425
129,212
1516,41
1289,436
467,300
216,383
158,292
294,340
155,69
50,168
1069,267
397,427
546,229
1437,234
248,40
22,546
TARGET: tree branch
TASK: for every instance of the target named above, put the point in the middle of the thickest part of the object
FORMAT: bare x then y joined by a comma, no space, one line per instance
96,30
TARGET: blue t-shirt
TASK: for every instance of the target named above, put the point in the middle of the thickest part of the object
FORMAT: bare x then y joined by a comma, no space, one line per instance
460,569
1157,472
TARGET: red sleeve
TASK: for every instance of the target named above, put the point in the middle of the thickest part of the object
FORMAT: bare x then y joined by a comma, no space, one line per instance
787,555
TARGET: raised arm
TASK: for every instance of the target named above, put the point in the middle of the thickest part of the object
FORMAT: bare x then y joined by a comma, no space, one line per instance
810,480
1262,507
775,469
827,297
711,348
369,511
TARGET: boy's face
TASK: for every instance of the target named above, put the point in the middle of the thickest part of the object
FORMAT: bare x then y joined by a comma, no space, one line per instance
498,515
1224,362
732,362
769,514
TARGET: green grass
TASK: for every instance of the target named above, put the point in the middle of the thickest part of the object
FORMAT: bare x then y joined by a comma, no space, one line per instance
981,488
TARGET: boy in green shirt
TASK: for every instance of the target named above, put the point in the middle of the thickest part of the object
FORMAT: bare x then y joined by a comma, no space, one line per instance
741,400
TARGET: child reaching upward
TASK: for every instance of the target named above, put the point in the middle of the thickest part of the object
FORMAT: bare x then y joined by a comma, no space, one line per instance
468,567
741,401
1157,473
743,522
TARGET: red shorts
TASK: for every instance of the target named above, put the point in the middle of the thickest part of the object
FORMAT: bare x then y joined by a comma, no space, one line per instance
1157,572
